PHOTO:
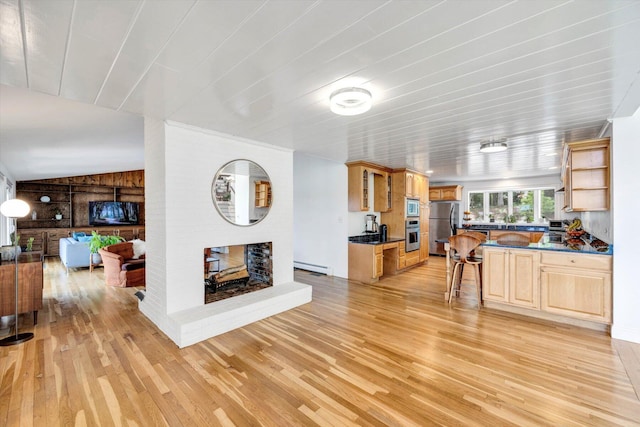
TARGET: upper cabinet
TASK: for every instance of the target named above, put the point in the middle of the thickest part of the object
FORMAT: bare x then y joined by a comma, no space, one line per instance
586,175
415,184
365,178
263,194
445,193
382,191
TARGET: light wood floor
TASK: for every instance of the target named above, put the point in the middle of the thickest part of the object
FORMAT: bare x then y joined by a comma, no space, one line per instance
392,354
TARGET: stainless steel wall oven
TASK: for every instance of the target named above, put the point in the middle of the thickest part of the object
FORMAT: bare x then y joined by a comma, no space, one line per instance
412,235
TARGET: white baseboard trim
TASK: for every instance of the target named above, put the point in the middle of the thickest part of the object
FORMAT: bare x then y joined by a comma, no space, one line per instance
323,269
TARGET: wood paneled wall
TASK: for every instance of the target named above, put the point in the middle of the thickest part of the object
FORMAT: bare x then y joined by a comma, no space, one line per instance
127,179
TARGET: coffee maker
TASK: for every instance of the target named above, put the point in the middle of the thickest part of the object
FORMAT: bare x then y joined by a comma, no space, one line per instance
371,226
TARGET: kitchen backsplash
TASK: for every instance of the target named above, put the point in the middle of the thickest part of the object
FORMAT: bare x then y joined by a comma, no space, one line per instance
598,223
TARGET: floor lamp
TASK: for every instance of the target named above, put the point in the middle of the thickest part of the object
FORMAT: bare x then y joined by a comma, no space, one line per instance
15,208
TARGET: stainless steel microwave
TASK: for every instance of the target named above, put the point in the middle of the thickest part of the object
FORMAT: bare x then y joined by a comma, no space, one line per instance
413,207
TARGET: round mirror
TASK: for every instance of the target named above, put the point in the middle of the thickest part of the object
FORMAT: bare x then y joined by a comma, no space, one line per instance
241,192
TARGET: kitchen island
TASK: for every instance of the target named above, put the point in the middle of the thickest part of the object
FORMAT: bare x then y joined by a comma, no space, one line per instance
555,281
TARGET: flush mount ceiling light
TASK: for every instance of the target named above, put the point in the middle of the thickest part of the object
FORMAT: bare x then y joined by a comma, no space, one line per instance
350,101
493,145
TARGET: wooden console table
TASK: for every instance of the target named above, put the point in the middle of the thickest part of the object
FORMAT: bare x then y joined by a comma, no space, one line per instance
30,285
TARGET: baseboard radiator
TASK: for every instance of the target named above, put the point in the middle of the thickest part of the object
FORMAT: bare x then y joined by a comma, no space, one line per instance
322,269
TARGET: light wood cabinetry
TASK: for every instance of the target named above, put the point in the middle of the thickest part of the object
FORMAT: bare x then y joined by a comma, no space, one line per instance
445,193
415,185
511,276
365,262
358,188
577,286
586,175
402,256
382,200
262,194
366,177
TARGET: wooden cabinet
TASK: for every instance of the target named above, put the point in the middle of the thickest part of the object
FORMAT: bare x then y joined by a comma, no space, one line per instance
577,286
511,276
445,193
402,256
412,258
53,241
573,285
495,273
369,181
424,232
382,201
424,246
48,240
365,262
586,175
415,185
30,284
262,194
39,239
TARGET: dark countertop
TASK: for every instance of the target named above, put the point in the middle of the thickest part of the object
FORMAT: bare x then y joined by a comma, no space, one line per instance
501,226
558,247
373,239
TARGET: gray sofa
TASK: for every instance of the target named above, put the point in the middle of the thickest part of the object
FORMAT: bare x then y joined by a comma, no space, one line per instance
73,253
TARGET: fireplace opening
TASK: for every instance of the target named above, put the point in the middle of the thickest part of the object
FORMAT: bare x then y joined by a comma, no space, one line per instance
235,270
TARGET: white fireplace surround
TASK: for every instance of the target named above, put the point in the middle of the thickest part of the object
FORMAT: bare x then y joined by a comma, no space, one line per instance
180,164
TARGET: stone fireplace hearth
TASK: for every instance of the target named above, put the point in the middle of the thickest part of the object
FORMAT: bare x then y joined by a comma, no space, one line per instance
236,270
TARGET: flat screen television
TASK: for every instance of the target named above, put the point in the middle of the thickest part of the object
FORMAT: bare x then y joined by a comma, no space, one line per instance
113,213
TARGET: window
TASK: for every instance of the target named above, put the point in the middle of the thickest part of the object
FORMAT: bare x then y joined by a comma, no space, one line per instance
529,205
476,205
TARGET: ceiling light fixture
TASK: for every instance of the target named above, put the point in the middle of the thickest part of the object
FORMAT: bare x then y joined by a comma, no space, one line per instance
350,101
493,145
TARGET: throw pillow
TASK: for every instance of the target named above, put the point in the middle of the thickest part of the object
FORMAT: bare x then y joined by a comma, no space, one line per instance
138,248
77,234
84,238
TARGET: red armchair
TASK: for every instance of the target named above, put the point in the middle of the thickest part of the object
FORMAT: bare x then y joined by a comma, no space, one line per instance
120,268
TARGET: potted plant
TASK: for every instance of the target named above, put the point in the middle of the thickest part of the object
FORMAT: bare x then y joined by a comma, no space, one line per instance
98,242
58,214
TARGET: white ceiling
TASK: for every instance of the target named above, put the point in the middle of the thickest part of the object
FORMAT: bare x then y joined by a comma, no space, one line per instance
445,75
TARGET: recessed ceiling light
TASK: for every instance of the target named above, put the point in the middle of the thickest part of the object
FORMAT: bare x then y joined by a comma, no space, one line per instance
493,145
350,101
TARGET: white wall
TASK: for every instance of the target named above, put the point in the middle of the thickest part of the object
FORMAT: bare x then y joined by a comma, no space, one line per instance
181,163
626,205
320,213
5,178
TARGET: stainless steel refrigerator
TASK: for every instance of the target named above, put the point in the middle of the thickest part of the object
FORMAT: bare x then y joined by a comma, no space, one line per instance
444,217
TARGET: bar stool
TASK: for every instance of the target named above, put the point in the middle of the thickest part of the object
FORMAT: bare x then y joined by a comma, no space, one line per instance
513,239
463,245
